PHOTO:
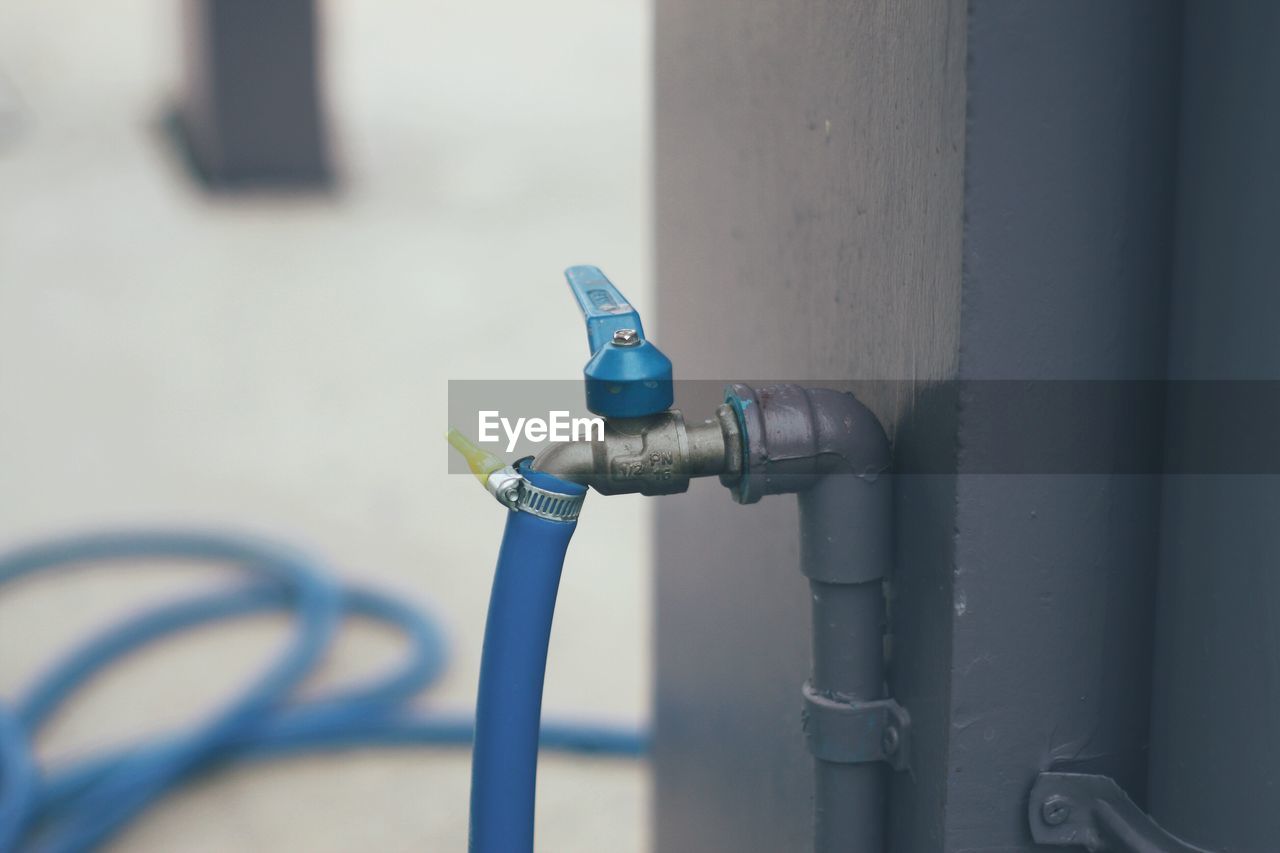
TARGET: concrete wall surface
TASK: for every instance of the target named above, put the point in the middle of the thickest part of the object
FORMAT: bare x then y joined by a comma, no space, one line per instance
808,163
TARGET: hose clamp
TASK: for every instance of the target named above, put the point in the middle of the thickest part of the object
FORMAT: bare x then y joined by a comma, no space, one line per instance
553,506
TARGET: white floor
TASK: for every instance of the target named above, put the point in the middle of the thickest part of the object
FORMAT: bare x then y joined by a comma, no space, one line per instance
280,365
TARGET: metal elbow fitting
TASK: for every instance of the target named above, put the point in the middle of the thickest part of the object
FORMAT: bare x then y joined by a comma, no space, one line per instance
794,436
652,455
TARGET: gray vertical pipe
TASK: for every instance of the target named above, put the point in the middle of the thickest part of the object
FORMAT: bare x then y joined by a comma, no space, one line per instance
830,450
845,533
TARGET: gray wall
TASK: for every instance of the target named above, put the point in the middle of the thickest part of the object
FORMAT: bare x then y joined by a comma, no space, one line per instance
912,190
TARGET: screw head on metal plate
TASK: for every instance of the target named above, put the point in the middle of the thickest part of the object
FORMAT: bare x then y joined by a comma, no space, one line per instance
1055,810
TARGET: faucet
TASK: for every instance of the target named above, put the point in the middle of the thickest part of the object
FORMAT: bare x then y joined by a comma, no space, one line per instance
647,447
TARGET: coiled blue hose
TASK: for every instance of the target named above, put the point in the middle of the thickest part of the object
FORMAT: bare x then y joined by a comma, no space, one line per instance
80,806
504,760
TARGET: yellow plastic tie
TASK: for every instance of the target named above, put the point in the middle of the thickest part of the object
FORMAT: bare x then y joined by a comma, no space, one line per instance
481,462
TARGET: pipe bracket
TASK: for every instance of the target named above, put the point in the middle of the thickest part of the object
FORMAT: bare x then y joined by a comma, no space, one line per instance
846,732
1093,812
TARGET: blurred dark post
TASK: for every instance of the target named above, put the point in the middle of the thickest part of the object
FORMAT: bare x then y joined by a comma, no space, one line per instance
250,112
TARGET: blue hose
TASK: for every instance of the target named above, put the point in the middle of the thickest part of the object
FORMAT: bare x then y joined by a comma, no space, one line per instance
504,760
83,805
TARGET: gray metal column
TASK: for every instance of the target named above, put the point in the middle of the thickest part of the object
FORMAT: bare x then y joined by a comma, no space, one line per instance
1215,730
1068,210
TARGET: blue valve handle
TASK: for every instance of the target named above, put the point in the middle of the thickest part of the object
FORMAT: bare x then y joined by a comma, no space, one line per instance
604,307
624,380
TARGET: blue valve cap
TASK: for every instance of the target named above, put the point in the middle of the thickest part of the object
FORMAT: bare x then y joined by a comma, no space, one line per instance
628,381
